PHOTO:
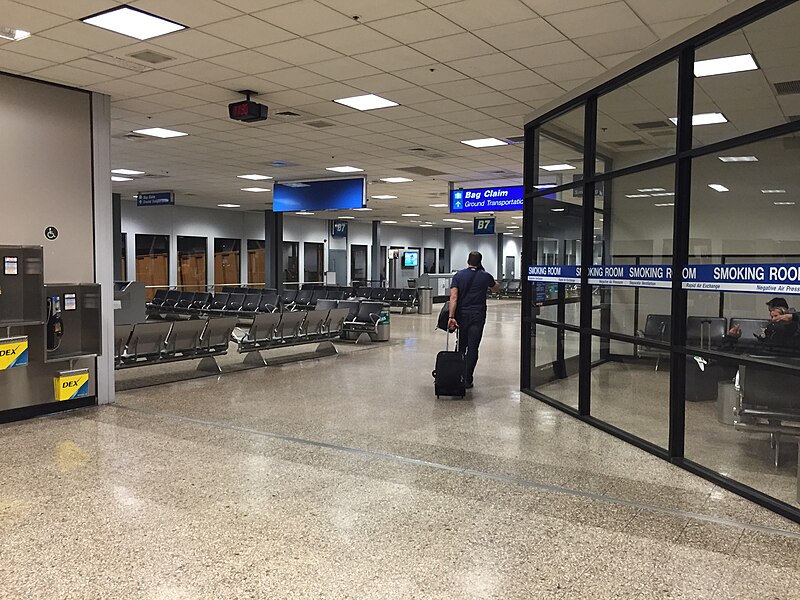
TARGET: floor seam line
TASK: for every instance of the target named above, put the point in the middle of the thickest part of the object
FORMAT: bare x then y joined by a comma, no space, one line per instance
509,479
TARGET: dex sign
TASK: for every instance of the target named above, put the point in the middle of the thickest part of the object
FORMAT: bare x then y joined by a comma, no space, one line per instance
483,199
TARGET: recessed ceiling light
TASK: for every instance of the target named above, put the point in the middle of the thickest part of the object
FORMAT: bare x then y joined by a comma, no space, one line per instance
388,222
727,159
663,194
545,186
254,177
783,203
486,212
14,35
513,227
160,132
383,197
304,213
718,187
454,220
255,189
296,184
727,64
346,217
126,172
652,190
396,179
558,209
438,205
362,209
229,205
426,225
117,178
773,191
704,119
484,143
517,217
409,215
133,22
366,102
344,169
637,195
562,167
664,204
456,228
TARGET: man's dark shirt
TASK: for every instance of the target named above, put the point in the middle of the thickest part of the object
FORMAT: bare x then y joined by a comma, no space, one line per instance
472,302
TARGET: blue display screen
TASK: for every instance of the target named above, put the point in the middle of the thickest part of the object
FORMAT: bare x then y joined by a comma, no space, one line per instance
502,198
330,194
410,259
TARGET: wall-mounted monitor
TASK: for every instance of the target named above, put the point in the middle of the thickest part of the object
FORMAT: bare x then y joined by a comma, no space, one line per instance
410,259
326,194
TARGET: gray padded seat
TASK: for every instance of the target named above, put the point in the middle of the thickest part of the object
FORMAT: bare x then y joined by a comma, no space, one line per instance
122,333
352,307
184,339
217,335
290,324
312,326
147,340
335,322
263,330
326,304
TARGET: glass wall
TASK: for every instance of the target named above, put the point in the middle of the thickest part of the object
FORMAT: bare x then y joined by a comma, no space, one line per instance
256,263
227,265
291,262
678,330
192,263
152,262
314,265
358,263
429,260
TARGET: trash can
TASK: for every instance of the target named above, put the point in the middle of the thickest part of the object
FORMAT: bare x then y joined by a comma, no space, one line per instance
425,295
727,397
383,329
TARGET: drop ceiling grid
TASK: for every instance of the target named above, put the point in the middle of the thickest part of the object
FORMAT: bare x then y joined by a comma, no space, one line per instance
472,81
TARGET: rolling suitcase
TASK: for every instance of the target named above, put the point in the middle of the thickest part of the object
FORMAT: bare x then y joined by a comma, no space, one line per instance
450,372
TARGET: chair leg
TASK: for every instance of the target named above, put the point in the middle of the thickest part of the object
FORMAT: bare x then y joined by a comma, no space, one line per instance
777,449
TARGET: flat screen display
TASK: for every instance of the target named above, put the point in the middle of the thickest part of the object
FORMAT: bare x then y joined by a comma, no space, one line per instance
410,259
328,194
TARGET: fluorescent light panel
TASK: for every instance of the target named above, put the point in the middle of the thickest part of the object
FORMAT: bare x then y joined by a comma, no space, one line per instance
637,195
254,177
718,187
784,203
255,189
728,159
396,179
652,190
484,143
383,197
558,209
160,132
725,65
454,220
14,35
345,169
516,217
663,194
438,205
118,178
704,119
304,213
366,102
346,217
362,209
545,186
773,191
126,172
133,23
388,222
226,205
409,215
664,204
426,225
562,167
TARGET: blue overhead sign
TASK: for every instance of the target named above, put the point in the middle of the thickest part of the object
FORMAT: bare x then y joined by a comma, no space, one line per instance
483,226
494,199
155,198
328,194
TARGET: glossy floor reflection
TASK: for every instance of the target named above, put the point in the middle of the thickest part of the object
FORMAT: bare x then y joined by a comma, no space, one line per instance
345,478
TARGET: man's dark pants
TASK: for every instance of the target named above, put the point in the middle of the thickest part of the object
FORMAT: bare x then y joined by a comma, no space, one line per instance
470,332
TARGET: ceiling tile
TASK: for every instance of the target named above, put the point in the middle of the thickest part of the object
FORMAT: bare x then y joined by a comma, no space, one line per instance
394,59
19,63
70,75
295,77
533,32
47,49
121,88
249,61
163,80
28,18
251,82
485,65
377,84
615,59
192,13
251,6
513,80
657,12
211,93
454,47
414,96
305,17
477,14
247,31
597,19
70,8
430,74
539,92
202,70
457,89
298,51
573,70
332,91
551,7
173,100
370,10
665,29
439,107
197,44
548,54
628,40
354,40
416,27
342,68
484,100
292,98
85,36
99,66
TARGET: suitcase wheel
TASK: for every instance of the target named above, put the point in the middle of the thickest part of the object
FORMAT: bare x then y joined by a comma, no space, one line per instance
433,373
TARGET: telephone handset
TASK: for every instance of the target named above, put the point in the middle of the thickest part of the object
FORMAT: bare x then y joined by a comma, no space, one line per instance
55,324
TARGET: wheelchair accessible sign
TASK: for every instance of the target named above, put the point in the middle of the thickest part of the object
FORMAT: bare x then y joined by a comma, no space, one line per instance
757,278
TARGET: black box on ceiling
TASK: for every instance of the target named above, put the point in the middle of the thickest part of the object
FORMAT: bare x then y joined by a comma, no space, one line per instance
247,111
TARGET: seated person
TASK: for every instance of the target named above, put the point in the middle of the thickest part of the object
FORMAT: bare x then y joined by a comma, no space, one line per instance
786,315
781,335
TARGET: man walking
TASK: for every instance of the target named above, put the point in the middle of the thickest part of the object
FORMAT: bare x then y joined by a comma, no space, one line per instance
468,309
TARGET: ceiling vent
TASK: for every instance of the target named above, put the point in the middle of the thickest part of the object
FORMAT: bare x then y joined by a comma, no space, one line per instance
652,125
149,56
119,62
786,88
280,164
423,171
320,124
133,137
516,139
628,143
286,113
428,153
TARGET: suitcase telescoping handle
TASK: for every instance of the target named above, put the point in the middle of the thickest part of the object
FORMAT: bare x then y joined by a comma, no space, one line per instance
447,343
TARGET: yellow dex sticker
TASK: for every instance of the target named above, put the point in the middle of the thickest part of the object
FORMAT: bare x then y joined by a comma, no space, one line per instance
69,385
13,353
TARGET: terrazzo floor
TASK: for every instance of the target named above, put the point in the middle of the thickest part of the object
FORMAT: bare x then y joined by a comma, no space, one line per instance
344,477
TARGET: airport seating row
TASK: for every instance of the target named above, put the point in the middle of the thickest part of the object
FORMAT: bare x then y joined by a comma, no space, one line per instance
271,330
708,332
510,288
